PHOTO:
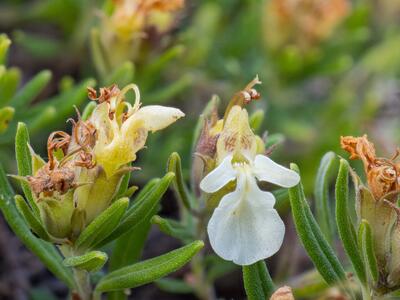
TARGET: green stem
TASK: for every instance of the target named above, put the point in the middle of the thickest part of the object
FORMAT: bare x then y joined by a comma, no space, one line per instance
204,289
81,277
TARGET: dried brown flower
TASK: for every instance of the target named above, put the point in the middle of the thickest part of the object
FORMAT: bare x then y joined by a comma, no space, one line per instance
49,180
105,94
382,174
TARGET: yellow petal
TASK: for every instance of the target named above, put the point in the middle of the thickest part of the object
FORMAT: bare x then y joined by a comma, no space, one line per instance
237,136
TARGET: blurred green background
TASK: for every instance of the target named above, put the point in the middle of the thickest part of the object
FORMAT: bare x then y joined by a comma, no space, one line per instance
328,67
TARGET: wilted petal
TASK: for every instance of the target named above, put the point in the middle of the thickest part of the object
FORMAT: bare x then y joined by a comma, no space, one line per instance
101,121
244,228
157,117
266,169
219,177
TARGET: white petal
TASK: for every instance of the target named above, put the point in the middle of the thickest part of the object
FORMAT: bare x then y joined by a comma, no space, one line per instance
266,169
244,228
219,177
157,117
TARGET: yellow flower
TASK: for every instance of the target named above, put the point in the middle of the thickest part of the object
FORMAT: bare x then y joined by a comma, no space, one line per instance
122,129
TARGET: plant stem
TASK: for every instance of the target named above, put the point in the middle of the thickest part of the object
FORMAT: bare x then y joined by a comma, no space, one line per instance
81,277
204,289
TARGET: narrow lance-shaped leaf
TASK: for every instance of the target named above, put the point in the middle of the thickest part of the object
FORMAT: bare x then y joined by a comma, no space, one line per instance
43,250
91,261
33,222
149,270
31,90
257,281
367,249
24,163
311,237
321,192
129,246
173,228
181,191
123,75
99,54
345,226
256,120
102,226
87,111
142,210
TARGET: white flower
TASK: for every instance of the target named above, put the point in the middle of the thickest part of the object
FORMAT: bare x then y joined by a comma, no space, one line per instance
245,227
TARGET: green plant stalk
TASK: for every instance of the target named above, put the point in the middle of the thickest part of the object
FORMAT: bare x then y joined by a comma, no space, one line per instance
81,277
204,289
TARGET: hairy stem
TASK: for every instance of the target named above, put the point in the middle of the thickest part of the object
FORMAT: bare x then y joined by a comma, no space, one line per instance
81,277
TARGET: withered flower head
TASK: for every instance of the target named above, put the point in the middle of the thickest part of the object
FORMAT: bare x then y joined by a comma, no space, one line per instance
303,23
131,18
382,173
64,153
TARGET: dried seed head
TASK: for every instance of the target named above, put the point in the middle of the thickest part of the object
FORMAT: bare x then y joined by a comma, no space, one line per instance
382,174
49,180
57,140
105,94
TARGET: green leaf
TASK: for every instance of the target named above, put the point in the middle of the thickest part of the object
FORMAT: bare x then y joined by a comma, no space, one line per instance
321,192
174,286
149,270
141,211
124,185
38,46
9,81
311,237
345,227
6,115
34,222
87,111
181,191
127,250
256,120
274,139
102,226
173,89
122,75
153,70
173,228
5,43
257,281
99,54
92,261
365,243
31,90
24,163
46,252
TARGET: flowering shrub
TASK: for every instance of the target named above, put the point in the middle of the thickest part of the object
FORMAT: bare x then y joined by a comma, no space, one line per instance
83,183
